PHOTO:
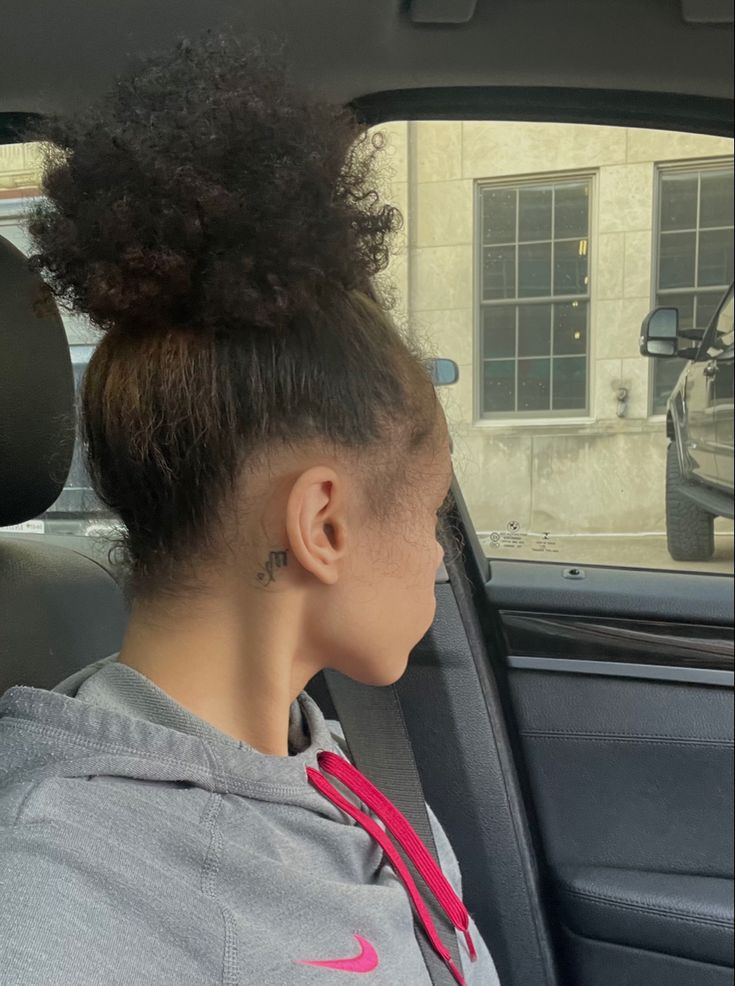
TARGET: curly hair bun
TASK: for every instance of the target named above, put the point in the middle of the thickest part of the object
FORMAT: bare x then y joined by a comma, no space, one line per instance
206,192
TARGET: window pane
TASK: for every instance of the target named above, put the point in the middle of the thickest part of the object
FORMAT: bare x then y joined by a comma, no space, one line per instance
571,211
676,260
666,373
570,328
499,273
499,215
534,214
679,202
499,385
534,270
534,330
716,205
570,267
570,383
715,257
684,303
533,384
499,331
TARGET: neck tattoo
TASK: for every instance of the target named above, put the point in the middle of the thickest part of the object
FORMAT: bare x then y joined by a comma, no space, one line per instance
276,559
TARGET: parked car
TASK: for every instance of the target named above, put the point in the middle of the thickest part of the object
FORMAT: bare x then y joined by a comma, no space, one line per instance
699,426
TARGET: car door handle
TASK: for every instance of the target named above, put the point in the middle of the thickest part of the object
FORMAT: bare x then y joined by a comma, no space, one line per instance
710,370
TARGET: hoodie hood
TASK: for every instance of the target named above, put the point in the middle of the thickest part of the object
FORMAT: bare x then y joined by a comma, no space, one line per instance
109,719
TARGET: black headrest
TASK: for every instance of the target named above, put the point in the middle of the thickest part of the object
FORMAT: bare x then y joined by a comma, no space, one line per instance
36,394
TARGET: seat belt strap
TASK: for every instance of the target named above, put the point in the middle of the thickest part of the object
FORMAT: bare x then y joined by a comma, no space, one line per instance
375,732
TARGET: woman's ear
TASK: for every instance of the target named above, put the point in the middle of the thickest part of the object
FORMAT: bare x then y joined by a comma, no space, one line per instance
316,523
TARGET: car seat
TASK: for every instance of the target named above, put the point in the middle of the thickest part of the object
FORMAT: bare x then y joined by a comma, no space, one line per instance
59,609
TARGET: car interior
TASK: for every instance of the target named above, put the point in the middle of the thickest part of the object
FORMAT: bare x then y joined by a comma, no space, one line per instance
572,724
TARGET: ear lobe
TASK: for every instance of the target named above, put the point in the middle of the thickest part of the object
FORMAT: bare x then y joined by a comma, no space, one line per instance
314,525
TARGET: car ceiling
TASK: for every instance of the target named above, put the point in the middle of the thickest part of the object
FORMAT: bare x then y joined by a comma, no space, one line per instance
57,54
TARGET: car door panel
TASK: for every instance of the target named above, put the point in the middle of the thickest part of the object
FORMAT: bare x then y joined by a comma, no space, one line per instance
724,417
624,722
716,363
701,441
650,911
629,773
604,964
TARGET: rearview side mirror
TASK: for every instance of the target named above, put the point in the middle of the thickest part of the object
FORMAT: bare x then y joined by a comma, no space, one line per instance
659,333
443,372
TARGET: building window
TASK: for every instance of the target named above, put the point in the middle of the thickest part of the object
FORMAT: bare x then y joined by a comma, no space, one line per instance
534,298
695,254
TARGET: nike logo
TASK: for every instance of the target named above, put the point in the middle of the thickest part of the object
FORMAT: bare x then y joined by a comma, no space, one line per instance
365,961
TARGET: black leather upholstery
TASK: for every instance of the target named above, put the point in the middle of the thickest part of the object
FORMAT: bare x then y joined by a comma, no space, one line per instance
59,609
36,394
595,963
632,782
627,774
656,911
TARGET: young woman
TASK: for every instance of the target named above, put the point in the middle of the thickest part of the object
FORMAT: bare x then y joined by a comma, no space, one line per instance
181,813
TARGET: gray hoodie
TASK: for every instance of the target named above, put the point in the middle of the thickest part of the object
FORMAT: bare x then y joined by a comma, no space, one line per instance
140,845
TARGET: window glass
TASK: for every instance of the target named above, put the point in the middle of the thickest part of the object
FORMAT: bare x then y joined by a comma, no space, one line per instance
718,344
534,330
547,258
499,272
724,326
531,253
679,197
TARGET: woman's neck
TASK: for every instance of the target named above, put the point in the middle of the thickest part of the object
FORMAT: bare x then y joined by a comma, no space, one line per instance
232,661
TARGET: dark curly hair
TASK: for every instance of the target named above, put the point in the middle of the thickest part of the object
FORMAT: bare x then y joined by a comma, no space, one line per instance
223,229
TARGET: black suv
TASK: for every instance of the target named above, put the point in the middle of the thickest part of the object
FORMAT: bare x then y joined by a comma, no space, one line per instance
699,425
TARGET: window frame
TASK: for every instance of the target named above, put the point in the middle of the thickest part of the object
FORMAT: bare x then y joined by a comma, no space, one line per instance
533,417
691,166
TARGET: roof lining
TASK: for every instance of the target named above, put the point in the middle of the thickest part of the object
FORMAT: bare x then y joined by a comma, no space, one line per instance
601,107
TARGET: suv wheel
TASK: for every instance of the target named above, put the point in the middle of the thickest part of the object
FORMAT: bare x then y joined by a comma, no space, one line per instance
690,530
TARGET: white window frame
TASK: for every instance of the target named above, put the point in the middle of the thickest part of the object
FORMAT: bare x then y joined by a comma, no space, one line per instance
501,420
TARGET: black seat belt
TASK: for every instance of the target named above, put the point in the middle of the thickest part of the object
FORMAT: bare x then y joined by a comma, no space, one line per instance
377,737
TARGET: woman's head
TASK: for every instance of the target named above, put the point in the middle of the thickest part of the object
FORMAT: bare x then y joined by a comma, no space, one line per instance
251,408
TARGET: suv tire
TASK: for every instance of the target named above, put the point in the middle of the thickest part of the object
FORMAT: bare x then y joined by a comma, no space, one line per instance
690,530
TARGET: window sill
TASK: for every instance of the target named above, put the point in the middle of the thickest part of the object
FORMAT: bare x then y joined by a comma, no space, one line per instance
505,423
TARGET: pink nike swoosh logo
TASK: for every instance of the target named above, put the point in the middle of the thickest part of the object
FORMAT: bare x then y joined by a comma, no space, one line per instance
365,961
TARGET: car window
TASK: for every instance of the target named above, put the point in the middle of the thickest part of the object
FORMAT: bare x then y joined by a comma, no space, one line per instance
530,254
719,340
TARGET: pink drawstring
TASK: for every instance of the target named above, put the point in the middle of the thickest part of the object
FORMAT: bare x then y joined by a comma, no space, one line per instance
329,791
406,836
